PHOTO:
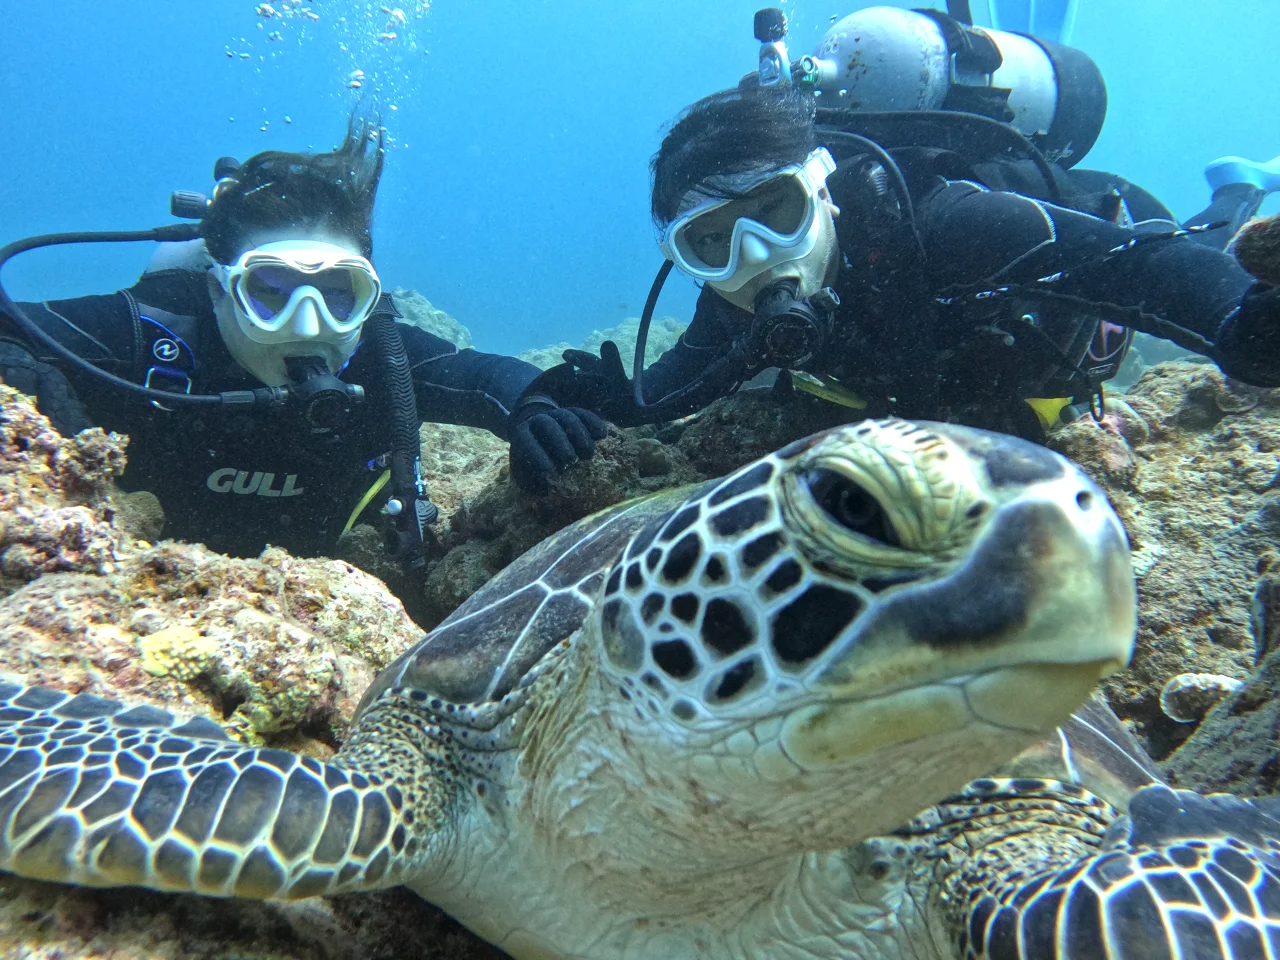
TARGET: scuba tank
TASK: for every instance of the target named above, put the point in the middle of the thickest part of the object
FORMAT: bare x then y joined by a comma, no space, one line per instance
885,59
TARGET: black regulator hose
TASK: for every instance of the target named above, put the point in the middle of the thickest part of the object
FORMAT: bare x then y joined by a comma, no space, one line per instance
729,369
171,233
891,168
841,119
642,334
407,486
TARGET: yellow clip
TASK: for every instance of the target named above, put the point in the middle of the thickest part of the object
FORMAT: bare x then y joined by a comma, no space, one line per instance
364,501
828,388
1048,409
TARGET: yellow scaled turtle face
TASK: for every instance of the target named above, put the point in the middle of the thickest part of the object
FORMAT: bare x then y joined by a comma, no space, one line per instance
882,585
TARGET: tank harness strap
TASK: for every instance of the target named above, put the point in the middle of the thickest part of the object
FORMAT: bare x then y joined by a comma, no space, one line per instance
164,346
975,57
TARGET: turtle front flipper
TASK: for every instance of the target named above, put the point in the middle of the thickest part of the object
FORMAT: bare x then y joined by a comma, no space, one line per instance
97,794
1181,877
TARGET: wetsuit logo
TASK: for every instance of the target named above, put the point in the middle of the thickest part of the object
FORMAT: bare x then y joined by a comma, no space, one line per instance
231,480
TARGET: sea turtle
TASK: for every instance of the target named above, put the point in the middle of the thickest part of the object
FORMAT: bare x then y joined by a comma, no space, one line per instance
704,725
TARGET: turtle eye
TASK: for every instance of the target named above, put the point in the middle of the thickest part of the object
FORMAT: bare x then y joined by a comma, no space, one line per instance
850,505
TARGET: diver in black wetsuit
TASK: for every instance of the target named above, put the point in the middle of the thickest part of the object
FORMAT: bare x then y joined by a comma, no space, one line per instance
278,290
934,270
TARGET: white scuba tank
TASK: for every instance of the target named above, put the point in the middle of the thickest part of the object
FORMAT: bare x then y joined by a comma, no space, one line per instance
890,59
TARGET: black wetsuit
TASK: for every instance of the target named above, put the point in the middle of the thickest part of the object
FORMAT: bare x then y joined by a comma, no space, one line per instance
238,479
974,361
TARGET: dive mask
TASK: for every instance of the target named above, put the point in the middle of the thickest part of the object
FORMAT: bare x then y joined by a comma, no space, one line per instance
774,220
301,290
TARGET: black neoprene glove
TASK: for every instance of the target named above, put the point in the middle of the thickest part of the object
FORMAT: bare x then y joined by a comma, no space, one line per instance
1249,341
46,384
600,384
546,438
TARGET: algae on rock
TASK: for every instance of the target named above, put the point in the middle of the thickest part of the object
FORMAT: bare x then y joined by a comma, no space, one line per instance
55,508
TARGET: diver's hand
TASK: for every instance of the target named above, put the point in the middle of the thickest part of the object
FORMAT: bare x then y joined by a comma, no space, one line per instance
1248,342
546,438
607,369
613,393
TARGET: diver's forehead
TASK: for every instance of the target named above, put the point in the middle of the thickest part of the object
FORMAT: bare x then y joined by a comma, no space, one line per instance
260,238
711,190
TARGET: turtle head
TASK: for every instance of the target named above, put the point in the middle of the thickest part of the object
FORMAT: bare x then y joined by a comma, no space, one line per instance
894,605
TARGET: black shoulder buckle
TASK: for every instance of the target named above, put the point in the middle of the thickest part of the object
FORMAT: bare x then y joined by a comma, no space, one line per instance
172,361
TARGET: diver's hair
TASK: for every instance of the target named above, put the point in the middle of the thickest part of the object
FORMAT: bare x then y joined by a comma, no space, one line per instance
747,129
332,192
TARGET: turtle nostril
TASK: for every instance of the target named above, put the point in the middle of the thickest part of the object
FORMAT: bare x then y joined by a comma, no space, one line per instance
1084,499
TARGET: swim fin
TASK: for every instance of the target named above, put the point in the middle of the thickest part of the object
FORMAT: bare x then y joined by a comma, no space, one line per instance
1225,170
1239,187
1047,19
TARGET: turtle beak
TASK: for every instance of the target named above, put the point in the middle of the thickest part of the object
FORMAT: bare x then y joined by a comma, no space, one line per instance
1015,638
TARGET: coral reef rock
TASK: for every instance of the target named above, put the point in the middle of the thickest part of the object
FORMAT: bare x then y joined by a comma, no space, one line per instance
1257,247
663,334
278,650
1234,749
55,508
1188,458
46,921
139,514
417,310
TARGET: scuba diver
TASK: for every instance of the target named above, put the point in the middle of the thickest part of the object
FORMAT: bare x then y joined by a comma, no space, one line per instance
263,377
916,242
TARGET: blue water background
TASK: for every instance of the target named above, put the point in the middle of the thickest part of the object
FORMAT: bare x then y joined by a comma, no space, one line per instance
516,197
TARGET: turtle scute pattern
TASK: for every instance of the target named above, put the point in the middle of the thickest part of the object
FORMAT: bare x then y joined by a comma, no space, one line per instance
487,647
1181,877
97,794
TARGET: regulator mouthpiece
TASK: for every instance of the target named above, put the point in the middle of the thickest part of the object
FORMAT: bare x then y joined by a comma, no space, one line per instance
788,330
327,401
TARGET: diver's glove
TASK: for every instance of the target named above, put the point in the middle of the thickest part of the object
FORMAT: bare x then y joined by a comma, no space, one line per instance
546,438
601,384
1248,343
605,386
45,384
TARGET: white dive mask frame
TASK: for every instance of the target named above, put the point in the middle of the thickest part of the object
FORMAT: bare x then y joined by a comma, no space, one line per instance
754,247
294,322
